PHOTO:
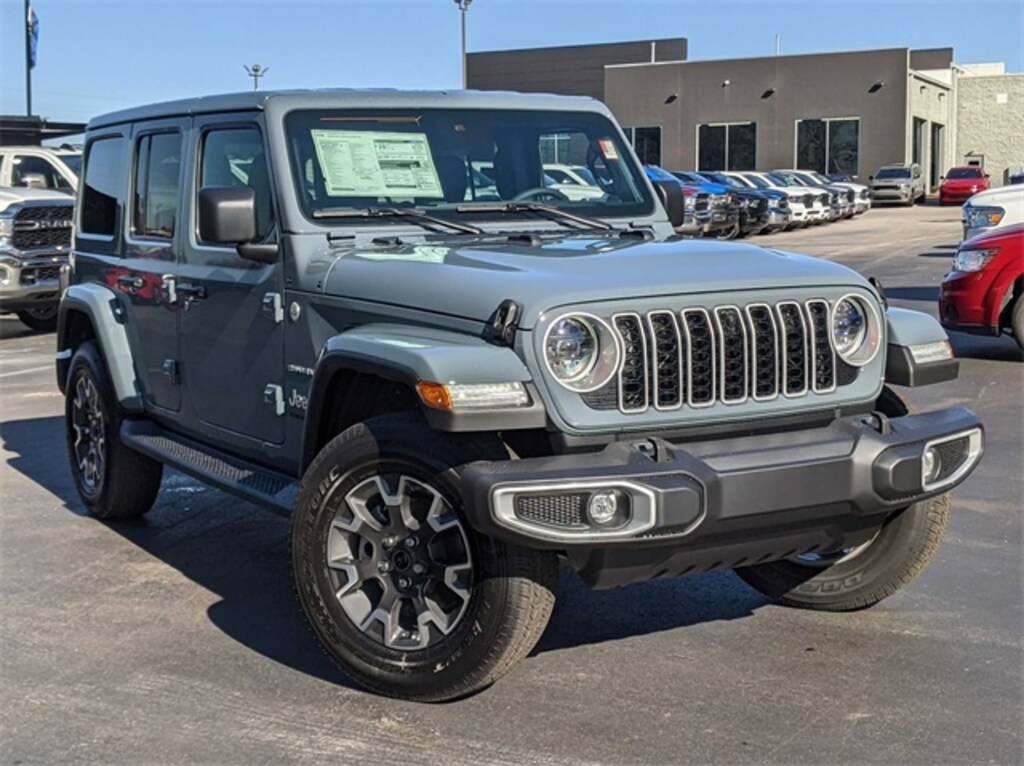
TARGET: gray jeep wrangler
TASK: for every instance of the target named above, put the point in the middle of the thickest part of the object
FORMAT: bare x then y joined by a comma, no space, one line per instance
455,380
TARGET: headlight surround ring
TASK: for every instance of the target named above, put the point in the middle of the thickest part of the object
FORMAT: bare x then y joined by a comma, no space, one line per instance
603,362
866,339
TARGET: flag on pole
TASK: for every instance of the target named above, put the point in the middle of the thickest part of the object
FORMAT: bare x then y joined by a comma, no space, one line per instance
33,36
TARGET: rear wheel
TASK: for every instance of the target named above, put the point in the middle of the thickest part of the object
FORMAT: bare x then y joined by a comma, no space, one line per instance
114,482
40,320
407,598
860,576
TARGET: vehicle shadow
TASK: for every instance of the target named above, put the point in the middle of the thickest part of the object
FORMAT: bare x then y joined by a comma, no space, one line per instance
241,553
936,254
927,294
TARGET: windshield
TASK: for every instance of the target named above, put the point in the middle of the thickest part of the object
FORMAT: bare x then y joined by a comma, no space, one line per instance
785,179
893,173
73,161
445,161
757,181
720,178
964,173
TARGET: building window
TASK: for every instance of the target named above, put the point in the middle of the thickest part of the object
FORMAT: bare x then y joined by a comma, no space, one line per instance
647,144
730,146
101,193
829,145
155,202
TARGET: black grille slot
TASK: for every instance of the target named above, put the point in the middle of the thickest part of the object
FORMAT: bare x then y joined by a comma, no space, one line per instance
809,200
33,275
732,338
794,356
765,368
824,357
701,357
668,365
604,398
952,456
633,378
564,510
43,226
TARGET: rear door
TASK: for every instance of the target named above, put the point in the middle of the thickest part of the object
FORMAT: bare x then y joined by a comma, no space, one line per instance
230,309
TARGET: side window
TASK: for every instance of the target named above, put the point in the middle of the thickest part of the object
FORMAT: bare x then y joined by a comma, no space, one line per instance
155,197
27,164
101,201
234,157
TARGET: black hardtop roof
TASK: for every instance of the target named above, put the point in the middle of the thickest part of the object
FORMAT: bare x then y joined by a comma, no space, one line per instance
339,98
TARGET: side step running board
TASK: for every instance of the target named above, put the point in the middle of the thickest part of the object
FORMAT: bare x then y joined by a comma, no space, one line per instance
231,474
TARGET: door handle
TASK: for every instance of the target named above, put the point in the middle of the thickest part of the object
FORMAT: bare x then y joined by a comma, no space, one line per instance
131,282
196,292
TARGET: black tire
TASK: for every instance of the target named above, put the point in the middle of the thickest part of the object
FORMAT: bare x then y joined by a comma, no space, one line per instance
904,545
40,320
507,595
1017,321
115,482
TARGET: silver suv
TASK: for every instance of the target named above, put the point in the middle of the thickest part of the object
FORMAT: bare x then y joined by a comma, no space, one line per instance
898,183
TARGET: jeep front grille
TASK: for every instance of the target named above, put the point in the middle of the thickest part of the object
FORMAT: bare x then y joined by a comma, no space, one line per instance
727,354
42,227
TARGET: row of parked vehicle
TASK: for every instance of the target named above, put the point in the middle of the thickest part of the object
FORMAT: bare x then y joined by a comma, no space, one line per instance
730,204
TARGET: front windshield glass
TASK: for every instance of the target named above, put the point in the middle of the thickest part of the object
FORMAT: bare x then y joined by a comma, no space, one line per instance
893,173
725,180
785,179
757,181
964,173
465,163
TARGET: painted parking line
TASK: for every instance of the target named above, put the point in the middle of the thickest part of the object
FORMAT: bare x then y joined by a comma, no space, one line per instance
25,372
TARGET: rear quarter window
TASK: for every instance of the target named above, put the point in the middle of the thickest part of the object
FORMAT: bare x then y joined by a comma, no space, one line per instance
103,189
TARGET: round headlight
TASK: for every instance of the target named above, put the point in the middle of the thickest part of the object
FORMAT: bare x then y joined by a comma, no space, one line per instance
856,331
581,352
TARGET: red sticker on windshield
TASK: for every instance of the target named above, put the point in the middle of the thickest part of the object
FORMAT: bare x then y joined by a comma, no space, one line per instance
608,149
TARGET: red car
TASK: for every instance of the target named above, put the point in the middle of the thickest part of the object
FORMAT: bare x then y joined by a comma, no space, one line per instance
960,184
984,293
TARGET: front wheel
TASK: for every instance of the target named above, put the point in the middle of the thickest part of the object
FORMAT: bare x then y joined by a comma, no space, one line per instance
403,595
40,320
859,577
862,576
1017,321
730,232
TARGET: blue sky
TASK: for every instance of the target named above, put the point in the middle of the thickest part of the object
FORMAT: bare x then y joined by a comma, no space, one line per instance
100,55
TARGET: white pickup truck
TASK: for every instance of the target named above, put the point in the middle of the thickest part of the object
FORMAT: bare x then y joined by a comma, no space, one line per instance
35,238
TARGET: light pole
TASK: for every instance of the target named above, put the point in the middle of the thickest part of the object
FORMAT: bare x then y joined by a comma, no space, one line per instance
463,7
256,72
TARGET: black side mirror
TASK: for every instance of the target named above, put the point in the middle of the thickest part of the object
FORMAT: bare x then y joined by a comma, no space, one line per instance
871,178
227,216
986,175
672,198
942,178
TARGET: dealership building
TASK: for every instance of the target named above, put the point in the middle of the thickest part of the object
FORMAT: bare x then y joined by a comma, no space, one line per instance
846,112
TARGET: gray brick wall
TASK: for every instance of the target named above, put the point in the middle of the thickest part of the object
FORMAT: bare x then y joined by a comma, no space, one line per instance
991,122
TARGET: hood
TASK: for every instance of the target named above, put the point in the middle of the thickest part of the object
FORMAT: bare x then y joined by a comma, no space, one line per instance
963,182
999,195
11,195
470,281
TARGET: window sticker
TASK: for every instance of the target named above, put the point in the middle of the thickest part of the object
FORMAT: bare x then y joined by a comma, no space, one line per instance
376,164
608,149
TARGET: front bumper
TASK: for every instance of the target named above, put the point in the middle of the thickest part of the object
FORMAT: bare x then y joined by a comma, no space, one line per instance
32,282
892,195
777,218
722,218
727,502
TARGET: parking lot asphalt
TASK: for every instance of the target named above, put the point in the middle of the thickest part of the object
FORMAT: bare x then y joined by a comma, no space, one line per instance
178,639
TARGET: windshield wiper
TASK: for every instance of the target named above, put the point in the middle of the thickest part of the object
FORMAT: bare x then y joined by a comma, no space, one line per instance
549,211
428,222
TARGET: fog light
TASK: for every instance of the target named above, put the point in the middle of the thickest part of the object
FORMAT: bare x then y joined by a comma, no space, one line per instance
606,508
931,466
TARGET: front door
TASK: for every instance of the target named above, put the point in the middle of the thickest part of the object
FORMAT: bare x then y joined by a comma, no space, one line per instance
230,309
